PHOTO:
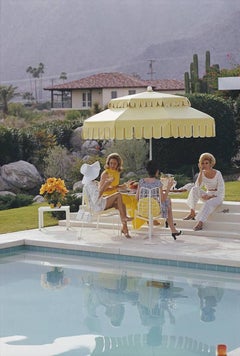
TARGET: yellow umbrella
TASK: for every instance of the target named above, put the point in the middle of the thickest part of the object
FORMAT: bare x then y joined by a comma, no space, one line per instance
149,115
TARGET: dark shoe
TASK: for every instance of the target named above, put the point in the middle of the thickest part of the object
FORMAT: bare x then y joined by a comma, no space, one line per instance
174,234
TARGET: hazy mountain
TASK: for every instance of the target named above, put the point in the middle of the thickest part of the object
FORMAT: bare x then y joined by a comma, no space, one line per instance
82,37
173,58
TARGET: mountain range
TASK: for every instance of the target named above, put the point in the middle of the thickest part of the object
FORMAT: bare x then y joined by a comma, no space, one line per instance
84,37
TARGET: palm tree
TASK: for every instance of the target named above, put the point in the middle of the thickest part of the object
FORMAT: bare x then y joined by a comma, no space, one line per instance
36,72
63,76
6,94
28,96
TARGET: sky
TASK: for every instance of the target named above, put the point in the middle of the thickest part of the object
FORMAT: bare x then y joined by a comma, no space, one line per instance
81,37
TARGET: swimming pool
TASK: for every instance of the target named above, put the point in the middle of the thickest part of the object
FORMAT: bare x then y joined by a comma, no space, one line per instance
52,304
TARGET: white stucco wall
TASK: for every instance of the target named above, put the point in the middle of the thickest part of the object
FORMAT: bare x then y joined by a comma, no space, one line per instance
120,92
103,96
229,83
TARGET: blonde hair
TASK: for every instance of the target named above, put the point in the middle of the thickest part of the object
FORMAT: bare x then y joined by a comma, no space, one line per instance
118,158
209,157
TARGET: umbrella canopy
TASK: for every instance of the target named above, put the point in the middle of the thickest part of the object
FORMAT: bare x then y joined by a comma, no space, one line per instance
149,115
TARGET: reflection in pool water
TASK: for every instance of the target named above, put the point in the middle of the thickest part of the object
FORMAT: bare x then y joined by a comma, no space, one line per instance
113,308
54,278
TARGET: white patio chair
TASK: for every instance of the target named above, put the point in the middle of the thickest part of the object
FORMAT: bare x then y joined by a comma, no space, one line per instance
148,208
87,215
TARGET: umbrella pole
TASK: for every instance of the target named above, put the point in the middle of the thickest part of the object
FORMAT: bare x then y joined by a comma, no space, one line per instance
150,149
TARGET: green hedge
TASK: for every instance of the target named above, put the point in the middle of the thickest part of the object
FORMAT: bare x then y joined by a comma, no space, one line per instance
10,201
31,144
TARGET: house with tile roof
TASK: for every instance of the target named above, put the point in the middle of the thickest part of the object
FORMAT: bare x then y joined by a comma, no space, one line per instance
100,88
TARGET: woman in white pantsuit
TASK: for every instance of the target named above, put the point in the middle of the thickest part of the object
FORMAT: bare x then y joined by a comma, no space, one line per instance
213,194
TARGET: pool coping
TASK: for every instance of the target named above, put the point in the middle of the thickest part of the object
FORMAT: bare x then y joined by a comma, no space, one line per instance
191,253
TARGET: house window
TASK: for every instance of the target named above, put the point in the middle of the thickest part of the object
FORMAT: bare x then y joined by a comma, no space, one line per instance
131,92
87,100
113,94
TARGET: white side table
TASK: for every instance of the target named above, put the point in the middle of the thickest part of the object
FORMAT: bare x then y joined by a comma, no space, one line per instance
44,209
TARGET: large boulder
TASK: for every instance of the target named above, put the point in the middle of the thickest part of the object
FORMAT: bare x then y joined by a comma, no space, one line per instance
19,176
76,139
90,147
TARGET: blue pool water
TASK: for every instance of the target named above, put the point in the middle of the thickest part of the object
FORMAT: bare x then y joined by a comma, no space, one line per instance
53,304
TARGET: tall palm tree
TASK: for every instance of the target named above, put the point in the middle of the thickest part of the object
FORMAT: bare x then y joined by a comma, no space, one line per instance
6,94
63,76
36,72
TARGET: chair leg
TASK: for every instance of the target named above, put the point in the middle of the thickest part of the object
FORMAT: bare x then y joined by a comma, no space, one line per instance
98,219
150,229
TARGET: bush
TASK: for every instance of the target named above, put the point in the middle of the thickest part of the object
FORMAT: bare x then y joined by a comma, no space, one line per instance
181,180
16,109
73,115
71,199
133,152
176,152
58,163
10,201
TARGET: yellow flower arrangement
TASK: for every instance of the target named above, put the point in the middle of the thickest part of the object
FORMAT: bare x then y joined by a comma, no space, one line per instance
53,191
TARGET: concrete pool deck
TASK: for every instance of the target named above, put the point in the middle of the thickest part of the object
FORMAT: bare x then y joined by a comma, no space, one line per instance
217,244
188,248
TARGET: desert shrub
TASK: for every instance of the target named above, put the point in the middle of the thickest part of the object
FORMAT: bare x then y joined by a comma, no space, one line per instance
43,106
133,152
73,115
32,143
59,162
16,109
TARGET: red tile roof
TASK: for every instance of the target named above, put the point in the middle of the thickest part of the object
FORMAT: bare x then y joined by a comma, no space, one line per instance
118,80
165,84
102,80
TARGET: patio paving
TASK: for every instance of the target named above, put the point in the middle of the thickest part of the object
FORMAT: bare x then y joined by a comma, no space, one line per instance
188,247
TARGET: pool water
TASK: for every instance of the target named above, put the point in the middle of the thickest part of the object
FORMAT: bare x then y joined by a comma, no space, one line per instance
75,305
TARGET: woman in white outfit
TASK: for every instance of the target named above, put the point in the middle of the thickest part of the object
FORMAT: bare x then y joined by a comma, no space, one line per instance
213,194
94,192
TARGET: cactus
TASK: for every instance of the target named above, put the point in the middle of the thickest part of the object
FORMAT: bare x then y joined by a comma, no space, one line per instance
195,67
193,84
207,63
187,82
192,77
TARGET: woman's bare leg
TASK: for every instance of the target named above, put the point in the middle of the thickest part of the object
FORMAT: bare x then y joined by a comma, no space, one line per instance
115,201
170,219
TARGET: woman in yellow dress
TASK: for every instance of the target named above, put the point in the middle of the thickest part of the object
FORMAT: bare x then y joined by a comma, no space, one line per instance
113,168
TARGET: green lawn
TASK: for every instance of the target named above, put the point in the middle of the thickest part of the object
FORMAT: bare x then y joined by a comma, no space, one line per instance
232,192
26,218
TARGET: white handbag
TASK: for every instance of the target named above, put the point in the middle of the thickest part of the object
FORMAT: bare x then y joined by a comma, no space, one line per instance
83,215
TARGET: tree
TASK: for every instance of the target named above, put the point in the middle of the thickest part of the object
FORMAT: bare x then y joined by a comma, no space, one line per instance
178,154
63,76
36,72
6,94
28,96
133,152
